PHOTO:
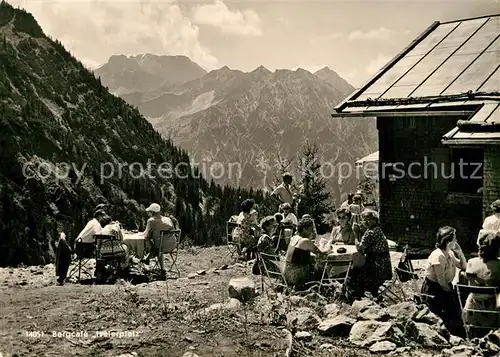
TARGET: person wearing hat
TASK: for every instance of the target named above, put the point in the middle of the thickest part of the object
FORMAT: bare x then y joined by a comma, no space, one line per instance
154,226
93,227
493,222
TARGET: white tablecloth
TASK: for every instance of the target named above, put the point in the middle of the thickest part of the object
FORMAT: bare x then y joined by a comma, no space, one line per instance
350,254
135,242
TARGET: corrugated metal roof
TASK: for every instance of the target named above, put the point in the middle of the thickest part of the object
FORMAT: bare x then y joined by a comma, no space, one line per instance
450,59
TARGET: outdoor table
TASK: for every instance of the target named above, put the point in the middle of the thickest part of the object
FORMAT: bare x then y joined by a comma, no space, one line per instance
351,254
135,242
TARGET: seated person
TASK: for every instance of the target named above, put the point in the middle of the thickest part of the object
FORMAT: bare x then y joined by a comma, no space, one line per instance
248,231
484,271
441,270
341,234
298,260
267,241
289,217
154,226
315,233
92,228
493,222
114,229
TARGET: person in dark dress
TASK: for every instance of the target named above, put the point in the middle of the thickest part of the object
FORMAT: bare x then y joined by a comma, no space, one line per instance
63,259
373,245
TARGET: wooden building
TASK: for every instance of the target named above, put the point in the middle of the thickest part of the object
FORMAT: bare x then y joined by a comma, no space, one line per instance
437,105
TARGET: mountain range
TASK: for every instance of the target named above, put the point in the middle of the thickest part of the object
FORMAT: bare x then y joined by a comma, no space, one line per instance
254,122
67,144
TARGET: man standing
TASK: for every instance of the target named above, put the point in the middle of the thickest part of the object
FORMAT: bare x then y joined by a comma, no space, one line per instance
283,193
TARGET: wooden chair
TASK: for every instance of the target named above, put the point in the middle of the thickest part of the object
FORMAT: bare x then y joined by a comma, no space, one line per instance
472,330
169,245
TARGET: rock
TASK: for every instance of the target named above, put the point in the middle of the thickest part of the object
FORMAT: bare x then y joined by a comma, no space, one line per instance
233,304
426,316
455,340
382,347
459,351
374,313
192,275
201,272
190,354
224,267
326,346
332,310
361,305
403,311
303,335
429,337
365,333
303,318
242,289
338,326
403,351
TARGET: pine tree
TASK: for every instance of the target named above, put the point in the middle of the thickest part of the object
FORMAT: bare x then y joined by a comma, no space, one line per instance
315,199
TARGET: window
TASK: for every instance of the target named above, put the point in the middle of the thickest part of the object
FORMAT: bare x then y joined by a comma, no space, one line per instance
466,171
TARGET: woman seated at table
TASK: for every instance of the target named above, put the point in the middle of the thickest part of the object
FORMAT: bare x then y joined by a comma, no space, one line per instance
437,289
377,266
341,234
298,260
118,247
268,240
484,271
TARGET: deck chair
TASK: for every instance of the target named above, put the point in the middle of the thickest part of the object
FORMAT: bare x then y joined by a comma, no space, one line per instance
271,269
84,253
109,252
169,246
471,330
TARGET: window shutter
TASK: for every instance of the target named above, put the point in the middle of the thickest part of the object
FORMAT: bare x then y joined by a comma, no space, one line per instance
438,166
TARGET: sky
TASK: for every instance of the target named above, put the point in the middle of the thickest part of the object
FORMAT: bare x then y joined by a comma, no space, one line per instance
353,38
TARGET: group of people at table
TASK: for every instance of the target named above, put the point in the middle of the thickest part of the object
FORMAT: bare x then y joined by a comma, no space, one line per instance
359,227
119,249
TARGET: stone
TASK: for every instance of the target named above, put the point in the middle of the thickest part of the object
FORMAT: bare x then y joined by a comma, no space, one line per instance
190,354
233,304
192,275
374,313
361,305
365,333
403,351
455,340
461,351
201,272
303,318
403,311
429,337
303,335
426,316
382,347
332,310
242,289
338,326
326,346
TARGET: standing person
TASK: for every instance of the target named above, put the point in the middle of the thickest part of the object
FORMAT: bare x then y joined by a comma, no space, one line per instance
63,259
284,192
248,231
441,270
349,201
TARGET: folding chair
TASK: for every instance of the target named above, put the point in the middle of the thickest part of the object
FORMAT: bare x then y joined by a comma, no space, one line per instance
109,252
272,268
84,253
169,245
285,234
472,330
234,247
330,282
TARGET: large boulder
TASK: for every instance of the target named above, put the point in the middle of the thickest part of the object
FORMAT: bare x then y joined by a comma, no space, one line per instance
429,337
242,289
403,311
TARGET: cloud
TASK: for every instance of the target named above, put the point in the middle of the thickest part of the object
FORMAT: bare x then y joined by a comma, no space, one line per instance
237,22
381,34
377,63
322,39
94,30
